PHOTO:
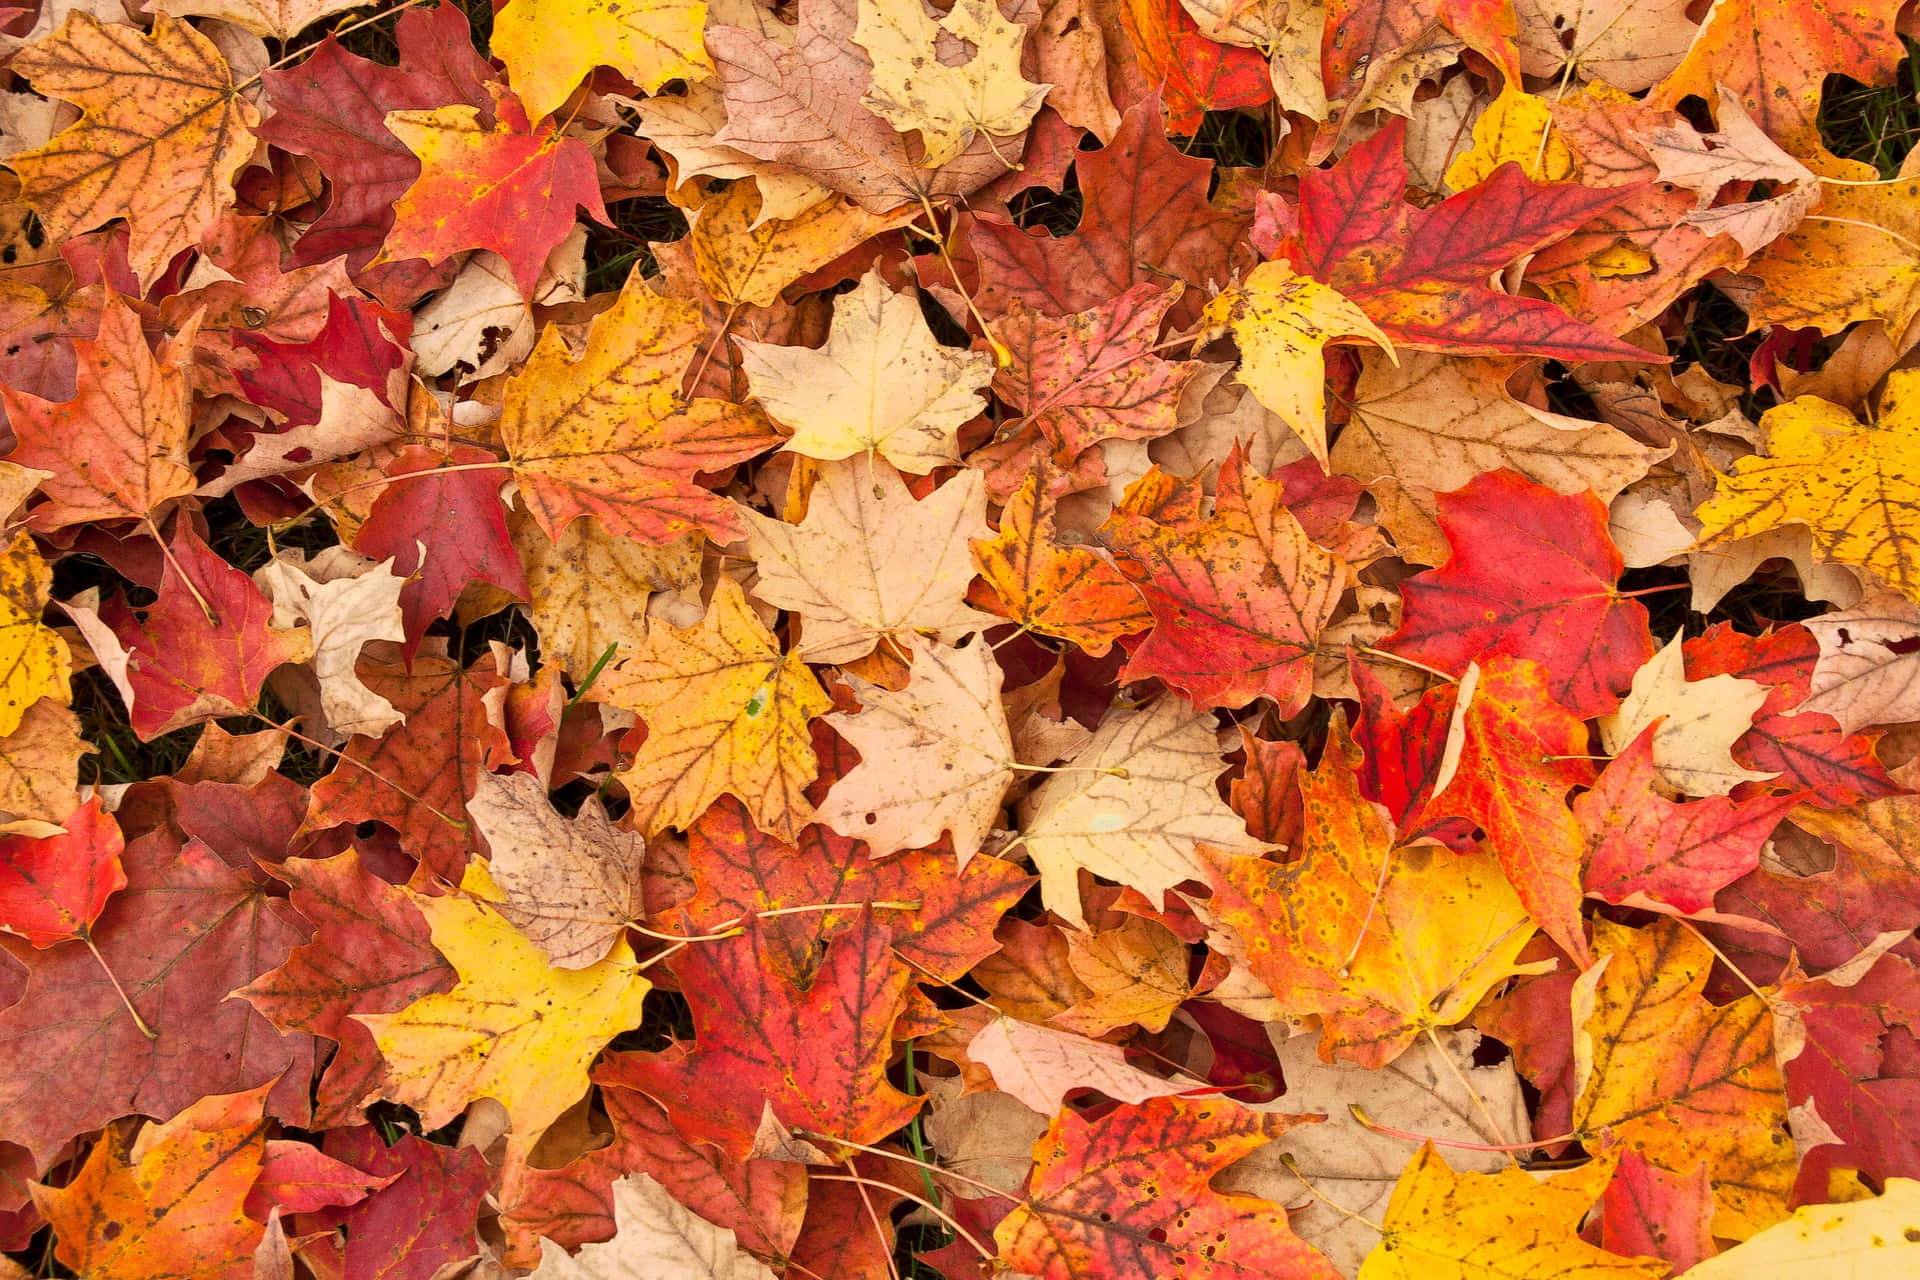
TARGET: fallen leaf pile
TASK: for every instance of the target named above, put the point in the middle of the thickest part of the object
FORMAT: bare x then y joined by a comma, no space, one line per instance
850,639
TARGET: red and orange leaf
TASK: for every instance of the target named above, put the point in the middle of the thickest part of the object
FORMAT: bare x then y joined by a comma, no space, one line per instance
55,887
1238,600
1533,575
1520,754
1652,1212
817,1055
1194,75
1072,592
1127,1197
1421,274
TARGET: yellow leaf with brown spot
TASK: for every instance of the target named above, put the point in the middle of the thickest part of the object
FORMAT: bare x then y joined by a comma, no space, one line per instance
726,714
34,662
1516,128
550,46
608,434
1383,942
948,97
588,589
40,765
1854,485
168,1202
1857,257
1677,1078
162,132
747,258
515,1029
1282,322
1443,1225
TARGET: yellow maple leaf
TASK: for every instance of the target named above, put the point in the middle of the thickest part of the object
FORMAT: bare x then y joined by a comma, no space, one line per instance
726,714
1443,1225
948,99
34,662
1282,322
1857,258
746,256
516,1029
162,132
1516,127
1855,486
549,46
1680,1079
1878,1236
881,384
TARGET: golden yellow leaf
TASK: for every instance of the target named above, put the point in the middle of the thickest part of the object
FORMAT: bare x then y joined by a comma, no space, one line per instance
746,257
515,1029
1512,129
588,589
607,434
1443,1225
726,714
161,134
1679,1079
947,100
1137,972
549,46
34,662
1879,1236
1282,322
869,561
881,384
1856,486
1856,257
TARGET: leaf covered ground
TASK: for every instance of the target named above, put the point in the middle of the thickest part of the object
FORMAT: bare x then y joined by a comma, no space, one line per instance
1115,639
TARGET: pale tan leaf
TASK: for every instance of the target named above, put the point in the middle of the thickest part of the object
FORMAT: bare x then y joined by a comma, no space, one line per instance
1039,1066
657,1237
1697,720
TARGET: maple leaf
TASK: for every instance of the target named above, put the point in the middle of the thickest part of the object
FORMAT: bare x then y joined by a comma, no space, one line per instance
1532,575
1144,217
1420,274
1678,1079
1649,1211
947,101
494,1035
608,434
1281,322
747,254
1853,261
1694,723
1518,755
869,561
54,887
798,100
1845,481
584,588
1072,592
185,931
1383,943
549,46
1127,1196
881,384
936,757
436,754
654,1231
169,1202
739,871
422,1220
118,448
333,107
1820,1237
726,714
342,614
817,1056
1133,805
1457,1225
35,663
1647,849
203,650
1092,376
1446,421
1238,599
161,135
505,185
1040,1066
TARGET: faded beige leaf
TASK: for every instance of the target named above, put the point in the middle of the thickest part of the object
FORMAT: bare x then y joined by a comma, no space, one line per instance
572,885
1698,722
934,757
986,1136
1868,671
869,561
40,764
881,384
1039,1066
1133,806
346,601
1630,44
657,1237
